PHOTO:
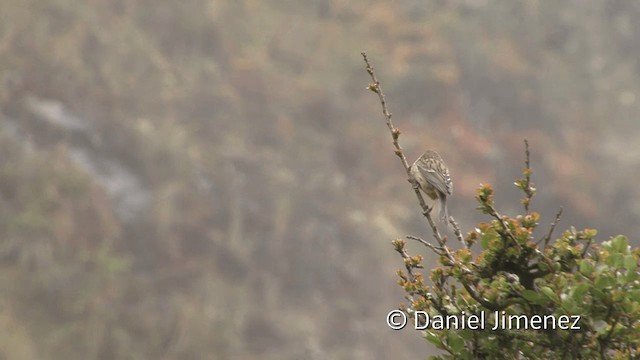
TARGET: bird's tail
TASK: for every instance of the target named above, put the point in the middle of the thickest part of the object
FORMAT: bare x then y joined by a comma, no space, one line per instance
444,214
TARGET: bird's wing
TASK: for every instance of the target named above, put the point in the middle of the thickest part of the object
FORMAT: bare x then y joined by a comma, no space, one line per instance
436,179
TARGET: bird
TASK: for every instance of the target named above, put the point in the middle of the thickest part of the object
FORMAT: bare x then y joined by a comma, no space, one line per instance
432,176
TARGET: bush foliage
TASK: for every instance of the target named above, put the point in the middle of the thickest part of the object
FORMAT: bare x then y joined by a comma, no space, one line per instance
516,273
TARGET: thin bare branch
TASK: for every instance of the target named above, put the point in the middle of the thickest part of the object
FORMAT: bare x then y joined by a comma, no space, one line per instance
457,232
525,184
527,164
395,132
547,238
586,248
437,249
395,135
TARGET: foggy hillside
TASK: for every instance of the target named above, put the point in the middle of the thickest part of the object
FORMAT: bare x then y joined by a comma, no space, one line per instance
211,180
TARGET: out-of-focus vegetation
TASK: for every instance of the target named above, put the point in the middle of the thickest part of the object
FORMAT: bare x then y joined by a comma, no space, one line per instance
273,187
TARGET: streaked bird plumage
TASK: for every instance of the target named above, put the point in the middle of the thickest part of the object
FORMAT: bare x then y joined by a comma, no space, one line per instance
432,175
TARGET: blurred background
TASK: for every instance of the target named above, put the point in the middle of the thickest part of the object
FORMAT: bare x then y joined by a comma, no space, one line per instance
207,179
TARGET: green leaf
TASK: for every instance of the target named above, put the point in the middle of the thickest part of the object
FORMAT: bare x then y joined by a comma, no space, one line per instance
586,267
598,295
533,297
620,243
548,292
604,281
456,343
484,242
635,295
579,291
434,339
630,262
487,237
467,334
616,260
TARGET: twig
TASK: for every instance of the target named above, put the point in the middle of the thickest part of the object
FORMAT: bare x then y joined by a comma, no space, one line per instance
411,275
586,248
395,134
437,249
547,238
457,232
405,255
528,189
504,224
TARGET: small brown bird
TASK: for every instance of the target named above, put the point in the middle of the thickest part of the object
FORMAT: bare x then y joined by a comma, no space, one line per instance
433,177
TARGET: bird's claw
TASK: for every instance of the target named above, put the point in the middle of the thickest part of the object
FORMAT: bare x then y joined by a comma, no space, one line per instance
414,183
